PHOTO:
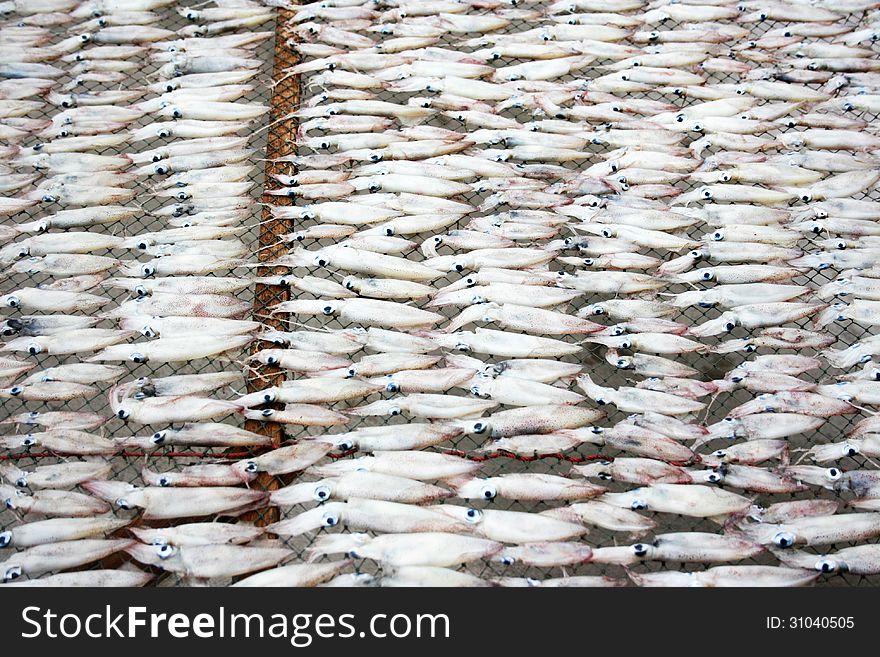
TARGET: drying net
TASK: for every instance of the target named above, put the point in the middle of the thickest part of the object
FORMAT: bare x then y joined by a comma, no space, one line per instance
275,136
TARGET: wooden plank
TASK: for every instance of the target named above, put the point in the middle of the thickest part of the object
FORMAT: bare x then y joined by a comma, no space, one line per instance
281,141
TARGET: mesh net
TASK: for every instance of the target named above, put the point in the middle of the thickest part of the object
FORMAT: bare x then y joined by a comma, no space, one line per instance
273,137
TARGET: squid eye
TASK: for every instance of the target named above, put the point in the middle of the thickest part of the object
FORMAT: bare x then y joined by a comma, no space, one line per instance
806,198
598,310
28,441
714,477
34,348
719,453
328,309
158,438
653,36
479,427
350,373
473,515
392,387
165,481
706,193
826,566
640,549
389,231
5,539
394,411
637,505
621,363
345,444
123,414
176,113
15,391
507,561
833,474
13,301
160,169
330,520
12,572
169,88
783,539
267,413
850,450
271,360
165,551
601,401
141,291
729,326
321,493
588,262
488,492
